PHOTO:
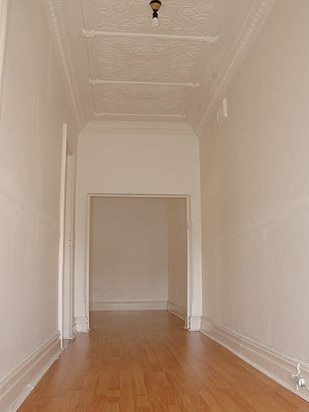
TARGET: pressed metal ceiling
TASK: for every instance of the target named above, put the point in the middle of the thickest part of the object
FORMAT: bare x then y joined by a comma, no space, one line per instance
118,67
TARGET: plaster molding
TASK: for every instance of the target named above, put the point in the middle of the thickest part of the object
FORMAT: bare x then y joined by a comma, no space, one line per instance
138,99
138,124
137,127
58,28
122,55
144,60
124,48
176,16
128,305
16,386
270,362
244,40
89,34
100,81
139,115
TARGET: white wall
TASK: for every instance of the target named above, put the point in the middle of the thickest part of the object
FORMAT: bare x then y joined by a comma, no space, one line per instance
33,110
132,158
128,253
255,197
177,256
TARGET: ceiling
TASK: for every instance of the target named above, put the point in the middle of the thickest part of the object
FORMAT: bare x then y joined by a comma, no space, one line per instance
117,66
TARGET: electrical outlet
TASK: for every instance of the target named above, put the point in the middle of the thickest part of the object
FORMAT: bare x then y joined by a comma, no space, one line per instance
298,379
301,382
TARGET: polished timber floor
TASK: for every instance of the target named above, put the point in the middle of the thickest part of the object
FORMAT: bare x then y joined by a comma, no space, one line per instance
147,361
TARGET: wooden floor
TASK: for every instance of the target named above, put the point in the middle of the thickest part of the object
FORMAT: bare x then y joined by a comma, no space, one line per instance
147,361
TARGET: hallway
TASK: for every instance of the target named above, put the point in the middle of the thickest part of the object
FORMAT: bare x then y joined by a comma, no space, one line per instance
147,361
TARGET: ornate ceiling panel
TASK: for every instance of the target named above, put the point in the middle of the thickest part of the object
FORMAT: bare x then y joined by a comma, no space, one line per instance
141,99
144,59
177,16
115,64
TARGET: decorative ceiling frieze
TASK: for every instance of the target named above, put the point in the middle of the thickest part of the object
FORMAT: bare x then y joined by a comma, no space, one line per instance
116,65
58,27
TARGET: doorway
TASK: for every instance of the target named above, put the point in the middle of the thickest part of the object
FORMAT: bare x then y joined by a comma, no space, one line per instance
139,253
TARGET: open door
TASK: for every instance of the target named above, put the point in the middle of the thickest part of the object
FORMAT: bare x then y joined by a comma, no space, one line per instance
66,250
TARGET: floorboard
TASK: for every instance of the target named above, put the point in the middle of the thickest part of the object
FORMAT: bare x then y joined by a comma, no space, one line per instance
147,361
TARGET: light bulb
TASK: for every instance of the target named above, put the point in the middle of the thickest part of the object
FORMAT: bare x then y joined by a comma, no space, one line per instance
155,22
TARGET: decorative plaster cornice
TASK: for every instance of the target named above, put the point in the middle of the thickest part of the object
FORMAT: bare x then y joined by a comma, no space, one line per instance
138,125
173,116
58,28
126,56
251,26
96,33
99,81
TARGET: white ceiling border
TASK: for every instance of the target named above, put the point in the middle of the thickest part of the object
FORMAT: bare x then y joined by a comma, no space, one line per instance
57,26
245,38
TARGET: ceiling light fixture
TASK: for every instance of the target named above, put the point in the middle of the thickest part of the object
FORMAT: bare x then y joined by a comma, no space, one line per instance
155,5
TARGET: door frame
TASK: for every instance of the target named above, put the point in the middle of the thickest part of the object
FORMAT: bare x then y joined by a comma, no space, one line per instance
87,247
66,249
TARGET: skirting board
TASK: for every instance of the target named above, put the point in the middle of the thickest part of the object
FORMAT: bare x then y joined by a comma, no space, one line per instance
128,305
179,311
275,365
16,386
